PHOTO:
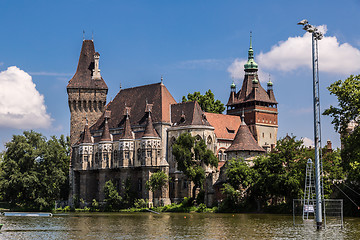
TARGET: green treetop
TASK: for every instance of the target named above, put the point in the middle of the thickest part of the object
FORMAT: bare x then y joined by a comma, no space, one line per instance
207,102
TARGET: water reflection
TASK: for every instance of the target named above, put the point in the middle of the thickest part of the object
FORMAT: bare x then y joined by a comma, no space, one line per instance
168,226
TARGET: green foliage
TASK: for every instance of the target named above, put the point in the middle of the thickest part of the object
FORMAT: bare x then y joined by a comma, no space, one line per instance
348,96
207,102
351,148
67,209
34,172
280,176
94,205
190,155
157,181
141,203
112,198
274,180
240,176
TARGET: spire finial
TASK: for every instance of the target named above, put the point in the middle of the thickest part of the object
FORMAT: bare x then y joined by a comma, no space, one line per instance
92,35
250,39
83,35
162,79
87,121
251,63
120,86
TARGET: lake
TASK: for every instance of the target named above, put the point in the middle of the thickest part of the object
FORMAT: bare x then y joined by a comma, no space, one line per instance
169,226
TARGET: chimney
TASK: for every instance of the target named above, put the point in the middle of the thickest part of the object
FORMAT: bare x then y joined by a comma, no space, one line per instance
329,146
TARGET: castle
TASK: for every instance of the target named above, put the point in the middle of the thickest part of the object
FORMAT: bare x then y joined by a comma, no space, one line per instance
131,137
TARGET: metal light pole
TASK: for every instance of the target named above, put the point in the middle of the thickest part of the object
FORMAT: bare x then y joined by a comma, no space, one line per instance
316,35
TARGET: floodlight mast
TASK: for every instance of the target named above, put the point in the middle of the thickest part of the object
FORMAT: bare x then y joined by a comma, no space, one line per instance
316,35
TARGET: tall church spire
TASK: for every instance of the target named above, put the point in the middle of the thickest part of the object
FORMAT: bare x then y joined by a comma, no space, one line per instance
251,64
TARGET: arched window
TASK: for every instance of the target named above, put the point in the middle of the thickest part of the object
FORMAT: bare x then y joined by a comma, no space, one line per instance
209,142
139,154
197,138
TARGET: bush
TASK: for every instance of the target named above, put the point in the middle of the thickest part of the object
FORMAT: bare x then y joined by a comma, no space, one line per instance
67,209
141,203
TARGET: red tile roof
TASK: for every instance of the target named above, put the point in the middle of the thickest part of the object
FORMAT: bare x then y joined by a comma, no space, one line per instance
225,125
84,71
188,113
137,99
244,141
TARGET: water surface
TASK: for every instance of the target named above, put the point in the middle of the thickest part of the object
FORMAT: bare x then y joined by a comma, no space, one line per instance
169,226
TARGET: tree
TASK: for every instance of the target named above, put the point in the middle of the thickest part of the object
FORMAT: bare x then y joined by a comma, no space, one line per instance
280,175
190,155
157,181
207,102
112,198
348,111
34,172
239,179
348,96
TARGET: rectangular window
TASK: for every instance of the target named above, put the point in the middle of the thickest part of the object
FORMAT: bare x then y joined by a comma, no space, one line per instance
126,155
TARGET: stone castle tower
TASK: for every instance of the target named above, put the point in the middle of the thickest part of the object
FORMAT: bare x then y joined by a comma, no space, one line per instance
259,105
86,91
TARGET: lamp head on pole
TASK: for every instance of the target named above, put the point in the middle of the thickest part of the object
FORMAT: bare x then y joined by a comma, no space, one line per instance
303,22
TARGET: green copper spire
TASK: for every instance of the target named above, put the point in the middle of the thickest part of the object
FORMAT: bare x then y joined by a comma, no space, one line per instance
251,64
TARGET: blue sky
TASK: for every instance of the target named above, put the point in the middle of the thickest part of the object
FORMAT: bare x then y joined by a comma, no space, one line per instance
195,45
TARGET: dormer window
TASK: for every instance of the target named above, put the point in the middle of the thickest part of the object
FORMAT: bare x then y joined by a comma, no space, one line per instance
230,130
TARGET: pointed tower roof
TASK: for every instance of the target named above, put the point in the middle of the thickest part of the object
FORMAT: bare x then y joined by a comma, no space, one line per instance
106,133
251,89
86,136
84,71
251,64
244,140
149,129
127,133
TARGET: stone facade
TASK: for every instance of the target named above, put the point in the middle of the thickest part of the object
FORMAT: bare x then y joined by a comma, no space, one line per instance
131,137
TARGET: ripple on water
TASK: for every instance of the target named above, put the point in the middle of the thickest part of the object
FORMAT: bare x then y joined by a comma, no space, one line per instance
169,226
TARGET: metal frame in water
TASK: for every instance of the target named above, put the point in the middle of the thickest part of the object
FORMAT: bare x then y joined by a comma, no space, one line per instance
304,212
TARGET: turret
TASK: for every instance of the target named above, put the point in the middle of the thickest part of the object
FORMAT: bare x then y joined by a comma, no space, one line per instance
150,142
126,143
85,149
105,144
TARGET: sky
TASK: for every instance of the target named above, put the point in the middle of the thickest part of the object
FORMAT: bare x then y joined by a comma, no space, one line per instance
194,45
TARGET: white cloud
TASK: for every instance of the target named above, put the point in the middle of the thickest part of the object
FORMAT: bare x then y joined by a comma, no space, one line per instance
236,70
21,105
307,142
295,53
